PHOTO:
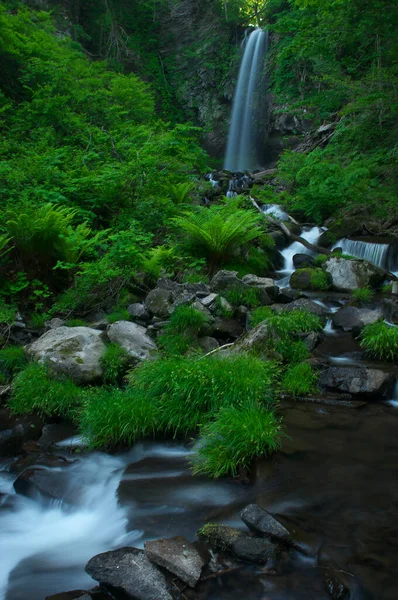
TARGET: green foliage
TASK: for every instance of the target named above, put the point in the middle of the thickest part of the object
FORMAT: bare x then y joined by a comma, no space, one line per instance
216,232
111,417
7,314
263,313
120,314
289,351
320,260
180,192
380,340
320,280
12,361
180,333
75,323
37,320
364,294
386,288
295,321
114,363
299,379
36,389
235,438
241,296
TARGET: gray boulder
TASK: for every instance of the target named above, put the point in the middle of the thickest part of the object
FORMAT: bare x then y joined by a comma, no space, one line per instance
305,304
54,323
253,340
178,556
312,340
224,280
138,311
226,328
208,343
159,302
128,571
351,318
133,338
71,351
348,275
303,260
262,283
209,300
356,380
262,522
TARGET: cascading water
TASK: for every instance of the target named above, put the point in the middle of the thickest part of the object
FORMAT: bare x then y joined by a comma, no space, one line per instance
375,253
241,148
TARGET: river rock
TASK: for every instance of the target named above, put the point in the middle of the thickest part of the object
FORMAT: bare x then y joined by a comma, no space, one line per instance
178,556
208,343
305,304
348,275
15,431
209,300
262,283
312,340
128,571
257,550
138,311
303,279
351,318
262,522
133,338
303,260
224,280
71,351
356,380
159,302
253,340
227,328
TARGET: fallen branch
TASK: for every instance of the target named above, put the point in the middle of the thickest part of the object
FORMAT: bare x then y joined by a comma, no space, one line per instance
216,350
289,234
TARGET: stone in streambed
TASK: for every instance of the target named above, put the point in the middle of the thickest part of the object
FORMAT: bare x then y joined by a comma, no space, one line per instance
128,571
133,338
301,261
262,522
305,304
178,556
348,275
356,380
238,542
351,318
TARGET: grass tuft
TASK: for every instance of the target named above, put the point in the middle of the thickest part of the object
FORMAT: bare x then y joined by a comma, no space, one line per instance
380,340
299,379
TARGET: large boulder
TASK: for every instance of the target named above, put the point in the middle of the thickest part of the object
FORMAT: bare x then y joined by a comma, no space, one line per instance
255,339
128,572
307,305
351,318
300,261
262,283
133,338
356,380
225,280
310,279
138,311
71,351
348,275
159,302
239,543
178,556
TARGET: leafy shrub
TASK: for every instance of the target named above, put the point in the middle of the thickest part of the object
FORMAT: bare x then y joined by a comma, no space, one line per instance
299,379
249,297
12,360
114,362
364,294
236,436
380,340
217,232
37,320
180,191
36,389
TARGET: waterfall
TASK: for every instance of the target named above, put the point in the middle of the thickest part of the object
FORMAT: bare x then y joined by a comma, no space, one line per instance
377,254
241,148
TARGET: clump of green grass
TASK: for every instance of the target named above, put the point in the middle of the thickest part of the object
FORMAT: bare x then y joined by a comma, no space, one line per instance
289,350
181,332
37,320
222,309
75,323
299,379
364,294
36,389
380,340
320,260
250,297
112,416
235,437
295,321
118,315
386,288
320,280
12,361
114,363
263,313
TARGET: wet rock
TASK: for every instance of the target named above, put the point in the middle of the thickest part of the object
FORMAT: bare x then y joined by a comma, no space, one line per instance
287,295
197,288
71,351
178,556
305,304
255,339
351,318
262,283
227,328
133,338
262,522
348,275
303,260
224,280
305,279
335,585
312,340
220,536
159,301
128,571
55,432
208,343
15,431
209,300
257,550
356,380
35,481
138,311
54,323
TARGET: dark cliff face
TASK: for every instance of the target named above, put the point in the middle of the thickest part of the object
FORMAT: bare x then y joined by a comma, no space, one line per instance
201,55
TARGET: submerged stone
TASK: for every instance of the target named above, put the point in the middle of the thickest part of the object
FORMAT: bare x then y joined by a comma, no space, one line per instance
178,556
262,522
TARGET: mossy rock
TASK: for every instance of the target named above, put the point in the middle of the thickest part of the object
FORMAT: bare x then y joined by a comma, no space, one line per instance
311,279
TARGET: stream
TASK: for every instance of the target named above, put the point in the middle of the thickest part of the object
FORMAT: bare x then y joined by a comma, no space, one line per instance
334,483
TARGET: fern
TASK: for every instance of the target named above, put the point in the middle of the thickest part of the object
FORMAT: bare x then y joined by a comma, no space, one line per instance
180,191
